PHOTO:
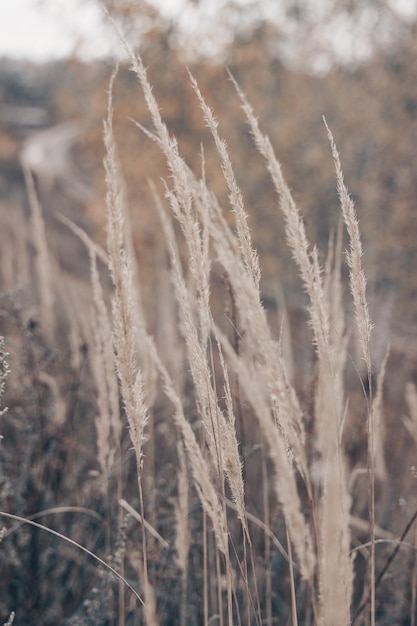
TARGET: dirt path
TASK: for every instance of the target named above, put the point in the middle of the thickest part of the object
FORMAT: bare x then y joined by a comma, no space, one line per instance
48,154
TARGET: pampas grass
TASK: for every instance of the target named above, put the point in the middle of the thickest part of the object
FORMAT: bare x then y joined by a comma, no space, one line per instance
358,290
260,366
230,460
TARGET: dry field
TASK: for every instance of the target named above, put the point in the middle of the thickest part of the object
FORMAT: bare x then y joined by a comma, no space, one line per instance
236,465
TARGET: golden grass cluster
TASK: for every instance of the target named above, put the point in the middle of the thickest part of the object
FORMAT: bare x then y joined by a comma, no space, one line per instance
254,519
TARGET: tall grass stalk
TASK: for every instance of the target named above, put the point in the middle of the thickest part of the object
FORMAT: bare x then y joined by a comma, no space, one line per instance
126,331
381,472
267,551
108,423
335,565
305,257
42,259
249,254
182,536
357,281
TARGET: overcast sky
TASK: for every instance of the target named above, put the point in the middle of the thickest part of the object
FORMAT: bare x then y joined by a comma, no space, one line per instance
45,29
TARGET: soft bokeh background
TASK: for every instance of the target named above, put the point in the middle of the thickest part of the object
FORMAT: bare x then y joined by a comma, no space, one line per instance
354,62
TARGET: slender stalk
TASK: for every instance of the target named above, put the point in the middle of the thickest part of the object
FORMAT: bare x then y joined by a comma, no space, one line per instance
414,581
205,572
267,553
219,582
77,545
294,617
